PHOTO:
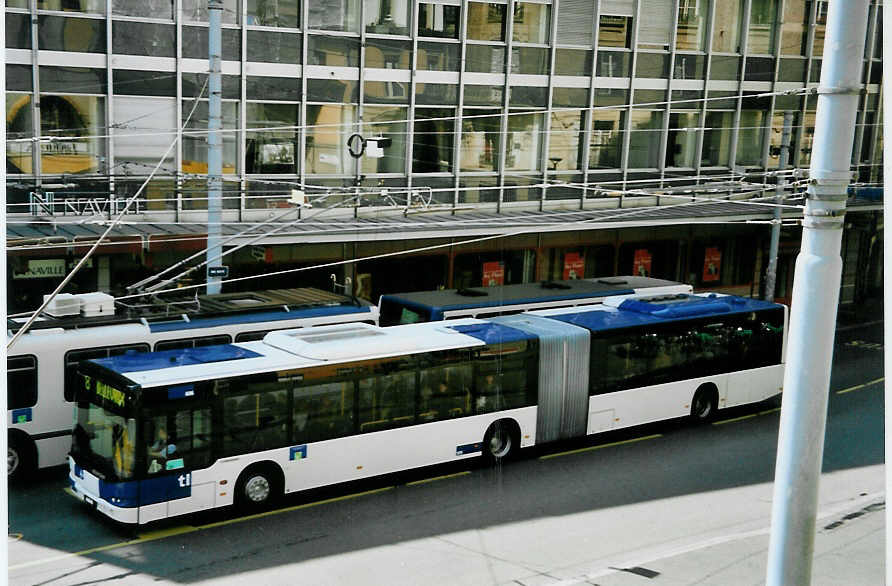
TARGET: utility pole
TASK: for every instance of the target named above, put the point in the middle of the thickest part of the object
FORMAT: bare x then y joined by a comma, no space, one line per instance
215,145
771,272
815,297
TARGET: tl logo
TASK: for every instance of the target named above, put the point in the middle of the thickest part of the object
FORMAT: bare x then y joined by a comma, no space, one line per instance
185,480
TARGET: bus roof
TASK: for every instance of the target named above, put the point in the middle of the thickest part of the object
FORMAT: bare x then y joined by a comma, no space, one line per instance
450,299
301,348
623,313
185,312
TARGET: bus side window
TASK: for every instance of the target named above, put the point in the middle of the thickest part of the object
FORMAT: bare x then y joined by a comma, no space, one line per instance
21,382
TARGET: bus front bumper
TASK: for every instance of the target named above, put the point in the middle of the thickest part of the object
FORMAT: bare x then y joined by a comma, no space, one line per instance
85,487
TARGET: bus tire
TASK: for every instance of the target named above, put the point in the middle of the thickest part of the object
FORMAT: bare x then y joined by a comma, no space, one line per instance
258,487
21,457
705,403
501,441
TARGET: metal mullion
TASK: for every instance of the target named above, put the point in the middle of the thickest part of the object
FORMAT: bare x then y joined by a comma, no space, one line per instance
778,36
799,132
109,111
459,113
667,107
627,130
701,139
360,94
871,42
744,45
242,117
178,24
873,143
589,116
36,163
302,112
549,103
413,80
506,100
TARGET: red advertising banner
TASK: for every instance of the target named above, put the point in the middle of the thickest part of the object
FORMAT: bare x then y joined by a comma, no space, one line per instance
712,264
641,263
493,274
574,266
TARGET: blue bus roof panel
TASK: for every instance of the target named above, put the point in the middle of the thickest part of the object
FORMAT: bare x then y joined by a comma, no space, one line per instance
633,312
246,318
142,361
491,333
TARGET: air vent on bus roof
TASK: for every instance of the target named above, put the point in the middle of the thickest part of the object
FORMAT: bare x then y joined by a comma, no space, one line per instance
554,285
472,293
614,281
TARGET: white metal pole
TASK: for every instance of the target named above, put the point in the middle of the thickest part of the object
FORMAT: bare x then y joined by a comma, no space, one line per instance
215,139
815,297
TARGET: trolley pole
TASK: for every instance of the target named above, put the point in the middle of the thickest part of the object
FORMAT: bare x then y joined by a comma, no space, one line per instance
815,298
771,272
215,142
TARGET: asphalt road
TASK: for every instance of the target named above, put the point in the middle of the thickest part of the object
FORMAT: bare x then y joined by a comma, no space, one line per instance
555,514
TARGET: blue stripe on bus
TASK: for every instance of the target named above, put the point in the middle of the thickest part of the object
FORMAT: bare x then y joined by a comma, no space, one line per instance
140,361
180,391
250,318
491,333
138,493
636,313
469,449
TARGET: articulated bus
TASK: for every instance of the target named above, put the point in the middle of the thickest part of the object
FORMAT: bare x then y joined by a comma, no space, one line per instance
483,302
42,365
174,432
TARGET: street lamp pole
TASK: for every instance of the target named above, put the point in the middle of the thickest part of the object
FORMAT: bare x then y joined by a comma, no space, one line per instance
815,297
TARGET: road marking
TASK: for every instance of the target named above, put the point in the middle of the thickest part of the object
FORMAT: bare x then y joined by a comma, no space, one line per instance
590,448
861,386
184,529
435,478
734,419
750,416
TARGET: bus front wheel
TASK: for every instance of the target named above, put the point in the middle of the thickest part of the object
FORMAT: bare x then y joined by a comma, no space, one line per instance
501,441
705,403
258,487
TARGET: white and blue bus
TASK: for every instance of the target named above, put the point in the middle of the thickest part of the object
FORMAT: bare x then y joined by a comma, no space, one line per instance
42,365
169,433
484,302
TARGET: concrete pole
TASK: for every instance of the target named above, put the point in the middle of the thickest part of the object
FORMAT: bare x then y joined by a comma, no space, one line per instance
771,272
815,297
215,140
4,391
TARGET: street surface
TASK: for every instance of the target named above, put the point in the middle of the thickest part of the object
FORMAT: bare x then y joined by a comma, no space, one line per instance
624,508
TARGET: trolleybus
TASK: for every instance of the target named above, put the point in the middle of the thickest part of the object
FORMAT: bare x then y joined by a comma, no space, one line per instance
41,366
179,431
423,306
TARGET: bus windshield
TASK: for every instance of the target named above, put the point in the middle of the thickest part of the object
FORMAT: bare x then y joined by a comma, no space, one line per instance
105,440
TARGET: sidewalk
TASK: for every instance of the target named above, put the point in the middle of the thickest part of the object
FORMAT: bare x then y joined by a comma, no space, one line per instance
849,551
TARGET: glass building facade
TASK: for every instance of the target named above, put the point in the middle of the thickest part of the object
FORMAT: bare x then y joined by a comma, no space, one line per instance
484,102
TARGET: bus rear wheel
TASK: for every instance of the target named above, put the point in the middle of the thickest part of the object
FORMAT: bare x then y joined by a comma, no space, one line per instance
258,487
501,441
21,457
704,404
